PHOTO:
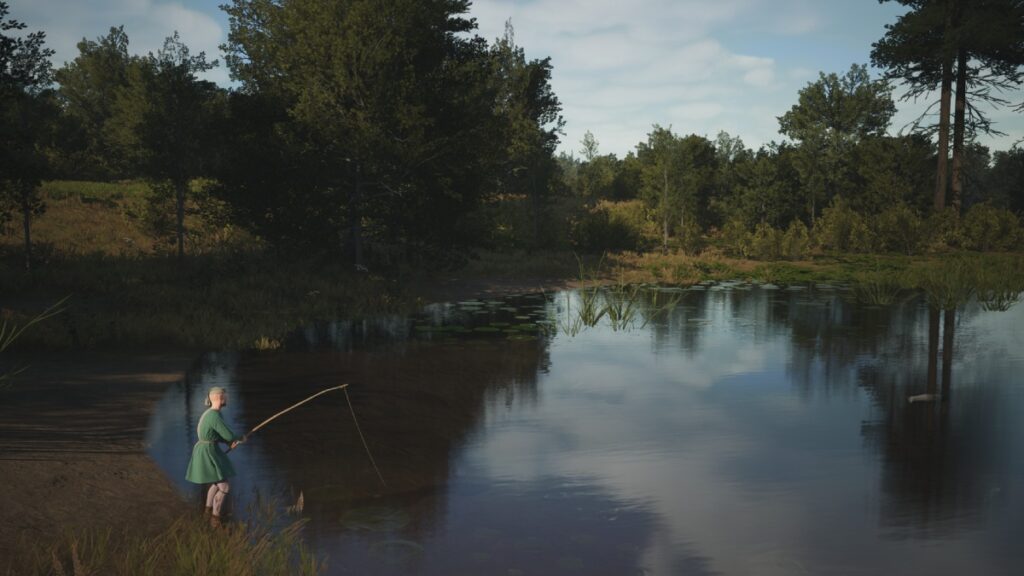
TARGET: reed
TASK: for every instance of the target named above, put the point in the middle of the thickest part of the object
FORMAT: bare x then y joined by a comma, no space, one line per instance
998,290
949,283
878,287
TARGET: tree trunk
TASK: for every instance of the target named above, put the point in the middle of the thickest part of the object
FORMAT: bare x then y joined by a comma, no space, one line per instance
26,212
948,331
180,188
933,349
356,222
945,95
959,129
537,210
664,214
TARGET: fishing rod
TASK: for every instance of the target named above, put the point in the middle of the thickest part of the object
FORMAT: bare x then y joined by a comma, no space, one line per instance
344,388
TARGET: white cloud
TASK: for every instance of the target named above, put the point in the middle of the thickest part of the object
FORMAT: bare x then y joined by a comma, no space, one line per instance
619,67
697,111
147,23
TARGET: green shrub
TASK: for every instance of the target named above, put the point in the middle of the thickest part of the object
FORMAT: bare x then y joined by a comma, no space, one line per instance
988,228
766,243
899,229
796,242
614,226
942,231
735,239
691,238
841,229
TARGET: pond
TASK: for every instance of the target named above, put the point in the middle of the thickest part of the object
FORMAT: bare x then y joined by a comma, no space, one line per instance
722,429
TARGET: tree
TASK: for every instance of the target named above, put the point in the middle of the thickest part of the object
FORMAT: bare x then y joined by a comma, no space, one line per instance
982,41
678,174
990,53
759,190
628,179
162,122
699,168
830,117
530,114
389,109
589,144
892,171
731,157
1005,181
25,113
88,90
661,175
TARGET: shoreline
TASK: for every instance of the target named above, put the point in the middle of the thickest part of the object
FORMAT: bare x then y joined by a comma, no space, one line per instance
72,451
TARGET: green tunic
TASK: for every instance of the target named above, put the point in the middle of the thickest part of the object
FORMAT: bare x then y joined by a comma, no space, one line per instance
208,464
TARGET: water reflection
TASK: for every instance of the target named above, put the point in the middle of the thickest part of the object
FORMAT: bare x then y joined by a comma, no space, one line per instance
741,430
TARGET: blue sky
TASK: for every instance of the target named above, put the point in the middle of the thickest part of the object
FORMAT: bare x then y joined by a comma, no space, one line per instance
619,66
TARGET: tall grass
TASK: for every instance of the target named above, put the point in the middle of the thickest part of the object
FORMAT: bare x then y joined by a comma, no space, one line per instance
10,332
188,547
948,284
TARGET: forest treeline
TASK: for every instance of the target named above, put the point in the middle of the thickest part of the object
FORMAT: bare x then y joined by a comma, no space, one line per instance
390,131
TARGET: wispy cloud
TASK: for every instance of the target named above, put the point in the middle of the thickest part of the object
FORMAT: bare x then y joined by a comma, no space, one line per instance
619,67
698,65
147,23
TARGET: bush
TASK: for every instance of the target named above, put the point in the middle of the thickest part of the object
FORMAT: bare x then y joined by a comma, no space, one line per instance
841,229
796,242
613,226
988,228
691,239
766,243
942,231
899,229
735,239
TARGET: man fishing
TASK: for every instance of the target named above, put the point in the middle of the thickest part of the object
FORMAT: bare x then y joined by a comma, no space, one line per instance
209,465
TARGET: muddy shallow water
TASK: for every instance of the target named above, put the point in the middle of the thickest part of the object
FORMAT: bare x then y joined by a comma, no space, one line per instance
727,429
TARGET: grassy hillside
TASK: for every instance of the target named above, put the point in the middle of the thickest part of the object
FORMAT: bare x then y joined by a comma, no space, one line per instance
121,219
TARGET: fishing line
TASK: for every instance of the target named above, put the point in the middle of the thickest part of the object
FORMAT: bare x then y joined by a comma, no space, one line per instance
358,429
344,388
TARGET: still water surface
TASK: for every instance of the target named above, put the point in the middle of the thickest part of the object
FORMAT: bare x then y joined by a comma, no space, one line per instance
728,429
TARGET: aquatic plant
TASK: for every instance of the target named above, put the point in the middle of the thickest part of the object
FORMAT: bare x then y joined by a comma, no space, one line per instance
948,284
877,287
1000,287
620,305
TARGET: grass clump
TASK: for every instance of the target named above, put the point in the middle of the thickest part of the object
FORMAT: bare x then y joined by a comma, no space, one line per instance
189,546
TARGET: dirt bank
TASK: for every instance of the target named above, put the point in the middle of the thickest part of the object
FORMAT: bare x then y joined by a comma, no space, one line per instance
71,447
